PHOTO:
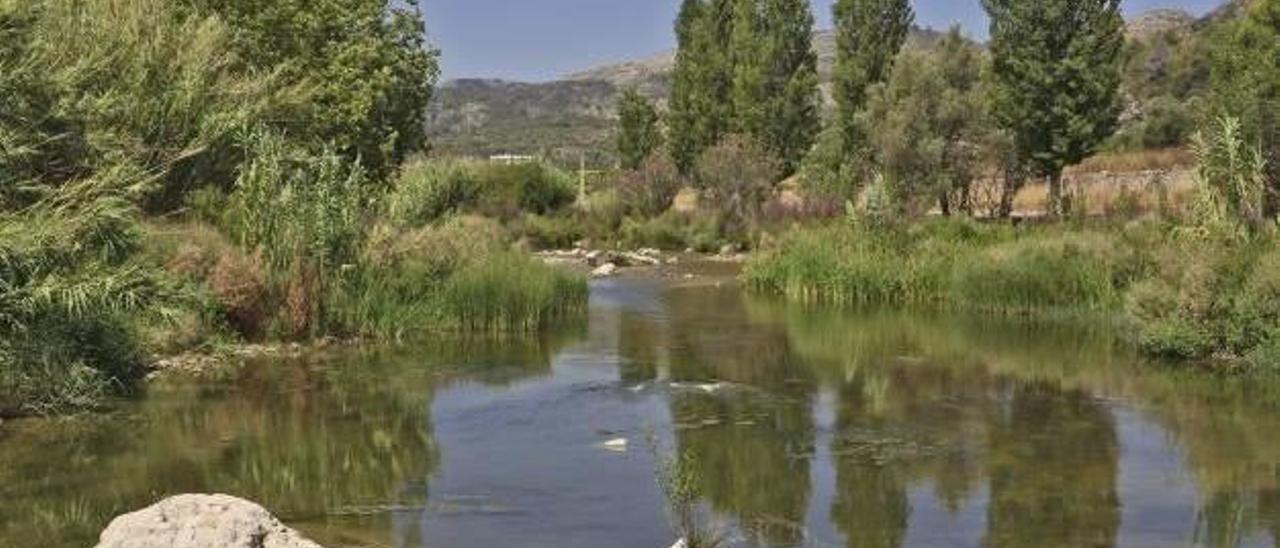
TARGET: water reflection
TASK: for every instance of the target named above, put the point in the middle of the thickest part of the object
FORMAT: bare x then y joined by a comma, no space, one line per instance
341,447
809,427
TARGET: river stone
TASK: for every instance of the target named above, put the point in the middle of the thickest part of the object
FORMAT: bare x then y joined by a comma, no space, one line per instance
605,270
201,521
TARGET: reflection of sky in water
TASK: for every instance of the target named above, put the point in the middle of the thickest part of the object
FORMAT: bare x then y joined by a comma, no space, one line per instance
828,429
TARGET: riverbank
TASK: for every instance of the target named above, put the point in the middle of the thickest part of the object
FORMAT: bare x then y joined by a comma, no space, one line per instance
496,441
1197,296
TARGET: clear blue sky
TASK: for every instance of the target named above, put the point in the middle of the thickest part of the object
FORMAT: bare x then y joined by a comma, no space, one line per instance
536,40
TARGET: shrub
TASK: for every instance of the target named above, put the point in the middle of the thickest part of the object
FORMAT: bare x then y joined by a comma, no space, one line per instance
510,291
66,291
537,187
1068,271
426,191
550,232
648,190
675,231
148,83
739,176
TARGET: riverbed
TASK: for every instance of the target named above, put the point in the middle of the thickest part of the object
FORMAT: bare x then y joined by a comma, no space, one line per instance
807,426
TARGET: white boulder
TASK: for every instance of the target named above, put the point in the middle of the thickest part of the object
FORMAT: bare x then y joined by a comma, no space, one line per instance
201,521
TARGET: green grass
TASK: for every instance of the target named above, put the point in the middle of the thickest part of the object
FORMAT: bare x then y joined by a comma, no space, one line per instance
1184,295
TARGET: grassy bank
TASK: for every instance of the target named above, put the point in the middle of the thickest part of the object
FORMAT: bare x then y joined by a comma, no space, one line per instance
1185,294
179,175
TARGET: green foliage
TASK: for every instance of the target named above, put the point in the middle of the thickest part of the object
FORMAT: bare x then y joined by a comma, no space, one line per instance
739,175
869,34
298,207
365,64
1245,78
1056,80
649,190
948,263
700,104
534,187
1231,178
1165,122
136,82
826,172
428,190
66,290
1072,271
681,486
638,132
675,231
929,118
510,291
1212,296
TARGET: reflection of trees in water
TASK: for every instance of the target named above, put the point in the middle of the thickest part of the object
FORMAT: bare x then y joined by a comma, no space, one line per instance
1053,468
922,399
337,447
751,441
899,425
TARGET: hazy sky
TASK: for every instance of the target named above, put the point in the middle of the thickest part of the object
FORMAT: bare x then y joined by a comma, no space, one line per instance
536,40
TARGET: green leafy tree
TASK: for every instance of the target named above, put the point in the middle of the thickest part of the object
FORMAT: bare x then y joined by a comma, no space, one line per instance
775,85
1056,72
1245,79
638,131
702,83
869,34
365,63
687,139
793,118
928,120
751,64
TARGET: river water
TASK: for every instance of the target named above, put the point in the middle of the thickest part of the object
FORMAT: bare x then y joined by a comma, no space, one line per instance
805,427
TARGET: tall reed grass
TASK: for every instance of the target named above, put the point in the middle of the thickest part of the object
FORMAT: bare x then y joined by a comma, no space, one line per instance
947,263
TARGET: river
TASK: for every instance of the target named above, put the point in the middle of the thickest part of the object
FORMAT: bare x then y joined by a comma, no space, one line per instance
806,427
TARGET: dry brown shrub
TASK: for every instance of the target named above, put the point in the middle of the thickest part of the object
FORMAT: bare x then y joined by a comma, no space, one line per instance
240,285
189,261
302,301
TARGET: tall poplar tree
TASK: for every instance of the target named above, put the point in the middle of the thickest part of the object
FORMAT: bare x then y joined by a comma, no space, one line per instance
792,118
686,139
869,34
1056,80
750,53
638,131
701,103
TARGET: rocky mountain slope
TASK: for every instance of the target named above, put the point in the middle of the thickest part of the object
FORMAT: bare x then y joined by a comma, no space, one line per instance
573,115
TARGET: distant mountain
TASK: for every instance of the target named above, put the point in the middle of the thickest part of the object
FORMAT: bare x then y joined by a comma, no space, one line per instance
1156,22
573,115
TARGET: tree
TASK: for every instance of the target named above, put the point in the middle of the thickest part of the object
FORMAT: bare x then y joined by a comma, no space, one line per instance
928,120
793,120
869,34
1245,76
1056,80
638,131
751,54
365,62
687,88
701,92
775,84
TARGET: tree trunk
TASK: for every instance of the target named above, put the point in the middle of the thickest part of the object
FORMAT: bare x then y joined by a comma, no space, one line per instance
1055,206
1012,183
944,202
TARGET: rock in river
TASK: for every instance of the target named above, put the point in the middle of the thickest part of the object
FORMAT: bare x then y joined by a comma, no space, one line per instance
201,521
605,270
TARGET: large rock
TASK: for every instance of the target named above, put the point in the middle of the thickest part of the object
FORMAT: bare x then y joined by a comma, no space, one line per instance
201,521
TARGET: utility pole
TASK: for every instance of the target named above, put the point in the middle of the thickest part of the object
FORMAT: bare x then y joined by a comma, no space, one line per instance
582,178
